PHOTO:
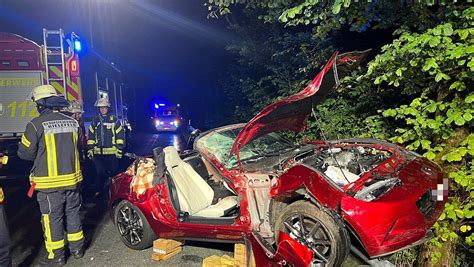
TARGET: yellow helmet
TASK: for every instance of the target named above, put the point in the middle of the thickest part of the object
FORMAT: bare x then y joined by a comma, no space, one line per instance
102,102
42,91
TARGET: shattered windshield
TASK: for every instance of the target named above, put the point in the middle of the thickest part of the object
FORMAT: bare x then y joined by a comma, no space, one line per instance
220,143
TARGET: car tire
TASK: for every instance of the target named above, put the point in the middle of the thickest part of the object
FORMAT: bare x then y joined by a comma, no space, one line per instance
133,227
330,237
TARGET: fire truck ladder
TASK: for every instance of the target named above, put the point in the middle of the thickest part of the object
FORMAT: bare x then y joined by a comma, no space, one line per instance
54,57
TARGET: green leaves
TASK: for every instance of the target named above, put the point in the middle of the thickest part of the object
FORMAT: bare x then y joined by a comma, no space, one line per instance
465,228
440,76
336,7
430,64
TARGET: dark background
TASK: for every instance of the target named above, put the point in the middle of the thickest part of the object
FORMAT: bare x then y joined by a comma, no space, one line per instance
166,49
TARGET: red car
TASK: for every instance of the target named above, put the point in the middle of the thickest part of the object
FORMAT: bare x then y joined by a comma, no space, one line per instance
297,204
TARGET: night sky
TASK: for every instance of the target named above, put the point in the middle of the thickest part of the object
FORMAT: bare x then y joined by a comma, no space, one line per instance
166,49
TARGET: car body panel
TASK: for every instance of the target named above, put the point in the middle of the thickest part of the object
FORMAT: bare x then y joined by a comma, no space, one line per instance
293,252
393,220
291,113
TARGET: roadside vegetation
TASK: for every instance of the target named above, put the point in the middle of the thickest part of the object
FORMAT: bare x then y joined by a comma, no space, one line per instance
416,90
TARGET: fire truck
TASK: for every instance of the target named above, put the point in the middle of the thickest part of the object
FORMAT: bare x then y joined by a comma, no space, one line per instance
25,64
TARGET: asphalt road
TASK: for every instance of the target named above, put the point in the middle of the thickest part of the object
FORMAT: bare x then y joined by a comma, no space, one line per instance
104,247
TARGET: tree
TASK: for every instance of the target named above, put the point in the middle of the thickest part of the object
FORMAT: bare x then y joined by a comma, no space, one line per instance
416,92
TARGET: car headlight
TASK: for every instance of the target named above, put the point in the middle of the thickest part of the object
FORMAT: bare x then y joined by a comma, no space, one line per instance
377,189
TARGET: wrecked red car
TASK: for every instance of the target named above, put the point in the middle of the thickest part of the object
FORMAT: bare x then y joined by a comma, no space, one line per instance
297,204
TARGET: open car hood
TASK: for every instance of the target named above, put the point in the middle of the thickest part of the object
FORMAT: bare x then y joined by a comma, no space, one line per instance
291,113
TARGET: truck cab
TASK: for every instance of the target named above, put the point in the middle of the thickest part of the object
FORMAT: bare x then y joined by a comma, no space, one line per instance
167,117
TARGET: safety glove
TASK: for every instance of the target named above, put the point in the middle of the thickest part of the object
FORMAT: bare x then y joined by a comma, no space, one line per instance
118,154
90,154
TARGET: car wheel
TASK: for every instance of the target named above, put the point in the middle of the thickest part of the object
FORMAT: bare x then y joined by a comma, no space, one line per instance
317,230
133,226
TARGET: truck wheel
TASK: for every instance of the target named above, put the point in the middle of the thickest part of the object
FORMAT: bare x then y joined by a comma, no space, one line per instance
317,230
133,227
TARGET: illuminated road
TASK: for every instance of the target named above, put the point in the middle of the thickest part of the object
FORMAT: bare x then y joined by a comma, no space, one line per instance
104,247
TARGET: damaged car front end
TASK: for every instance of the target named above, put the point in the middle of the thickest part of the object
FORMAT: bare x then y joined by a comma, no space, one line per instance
298,204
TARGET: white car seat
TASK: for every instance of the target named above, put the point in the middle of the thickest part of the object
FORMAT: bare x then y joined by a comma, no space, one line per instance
194,194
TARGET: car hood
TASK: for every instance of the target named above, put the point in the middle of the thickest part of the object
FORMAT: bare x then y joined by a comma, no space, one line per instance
291,113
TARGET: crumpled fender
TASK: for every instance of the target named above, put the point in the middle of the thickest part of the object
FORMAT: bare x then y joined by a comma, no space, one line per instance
301,176
288,251
292,251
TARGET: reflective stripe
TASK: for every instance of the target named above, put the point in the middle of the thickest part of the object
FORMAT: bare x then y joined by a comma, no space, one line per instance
119,141
47,235
91,129
91,142
55,160
49,157
2,196
75,236
57,181
113,136
56,244
25,141
119,129
105,151
76,153
49,243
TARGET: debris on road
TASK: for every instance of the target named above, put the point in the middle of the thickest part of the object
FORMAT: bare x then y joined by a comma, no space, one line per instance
239,259
240,256
164,249
216,261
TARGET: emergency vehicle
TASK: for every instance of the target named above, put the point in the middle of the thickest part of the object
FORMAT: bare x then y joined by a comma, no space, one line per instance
167,117
25,64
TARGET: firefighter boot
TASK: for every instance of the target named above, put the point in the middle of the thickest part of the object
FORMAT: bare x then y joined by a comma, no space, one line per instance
57,261
78,254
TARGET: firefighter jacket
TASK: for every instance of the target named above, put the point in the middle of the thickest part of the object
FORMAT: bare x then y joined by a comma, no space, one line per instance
50,140
106,136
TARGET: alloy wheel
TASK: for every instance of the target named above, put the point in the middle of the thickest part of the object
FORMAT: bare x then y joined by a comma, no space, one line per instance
130,225
311,233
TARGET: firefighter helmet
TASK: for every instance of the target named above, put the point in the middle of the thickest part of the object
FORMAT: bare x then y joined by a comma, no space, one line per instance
75,107
102,102
42,91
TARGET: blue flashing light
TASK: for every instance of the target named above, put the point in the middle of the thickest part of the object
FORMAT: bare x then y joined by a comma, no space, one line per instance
77,45
162,105
157,106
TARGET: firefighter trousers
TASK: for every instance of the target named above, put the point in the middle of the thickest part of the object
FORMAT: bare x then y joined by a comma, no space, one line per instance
55,206
5,258
106,167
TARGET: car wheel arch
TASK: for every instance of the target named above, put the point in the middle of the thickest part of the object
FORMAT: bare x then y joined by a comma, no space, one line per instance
342,231
279,202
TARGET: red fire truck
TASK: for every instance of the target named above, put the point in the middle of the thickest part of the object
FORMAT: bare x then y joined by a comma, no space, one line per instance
25,64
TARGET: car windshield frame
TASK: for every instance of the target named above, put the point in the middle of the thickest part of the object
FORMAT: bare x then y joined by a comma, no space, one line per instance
218,144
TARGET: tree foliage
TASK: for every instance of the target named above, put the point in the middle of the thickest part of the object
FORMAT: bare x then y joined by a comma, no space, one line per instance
435,68
417,91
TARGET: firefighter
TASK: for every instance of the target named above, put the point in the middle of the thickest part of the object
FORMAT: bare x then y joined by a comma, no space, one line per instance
50,140
105,143
5,258
75,111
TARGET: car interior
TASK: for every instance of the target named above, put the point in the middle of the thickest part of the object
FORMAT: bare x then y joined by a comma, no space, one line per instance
197,191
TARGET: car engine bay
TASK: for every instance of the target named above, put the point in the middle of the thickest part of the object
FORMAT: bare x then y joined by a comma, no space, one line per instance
344,165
